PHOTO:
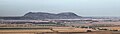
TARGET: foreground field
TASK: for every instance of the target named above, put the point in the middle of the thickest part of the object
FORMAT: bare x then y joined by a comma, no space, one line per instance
96,32
24,31
17,33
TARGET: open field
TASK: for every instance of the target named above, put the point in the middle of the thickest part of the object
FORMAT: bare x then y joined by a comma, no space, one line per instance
24,31
71,30
43,30
96,32
17,33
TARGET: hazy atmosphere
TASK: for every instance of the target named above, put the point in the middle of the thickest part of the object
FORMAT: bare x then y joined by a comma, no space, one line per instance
80,7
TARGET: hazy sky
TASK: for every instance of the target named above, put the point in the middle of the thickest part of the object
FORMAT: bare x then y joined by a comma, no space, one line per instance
80,7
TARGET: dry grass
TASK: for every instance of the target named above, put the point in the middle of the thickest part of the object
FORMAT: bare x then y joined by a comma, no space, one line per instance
24,31
71,30
17,33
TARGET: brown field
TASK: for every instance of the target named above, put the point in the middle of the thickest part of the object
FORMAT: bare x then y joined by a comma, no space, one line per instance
17,33
24,31
44,30
71,30
96,32
60,30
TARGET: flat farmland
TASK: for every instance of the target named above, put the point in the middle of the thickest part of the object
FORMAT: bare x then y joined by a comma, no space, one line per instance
24,31
17,33
96,32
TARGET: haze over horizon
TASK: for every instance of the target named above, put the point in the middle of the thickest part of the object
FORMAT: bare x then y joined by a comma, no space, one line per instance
79,7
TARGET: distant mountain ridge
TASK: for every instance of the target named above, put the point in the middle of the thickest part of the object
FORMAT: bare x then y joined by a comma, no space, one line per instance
44,15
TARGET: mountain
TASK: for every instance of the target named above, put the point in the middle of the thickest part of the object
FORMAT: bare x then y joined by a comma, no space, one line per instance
43,15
